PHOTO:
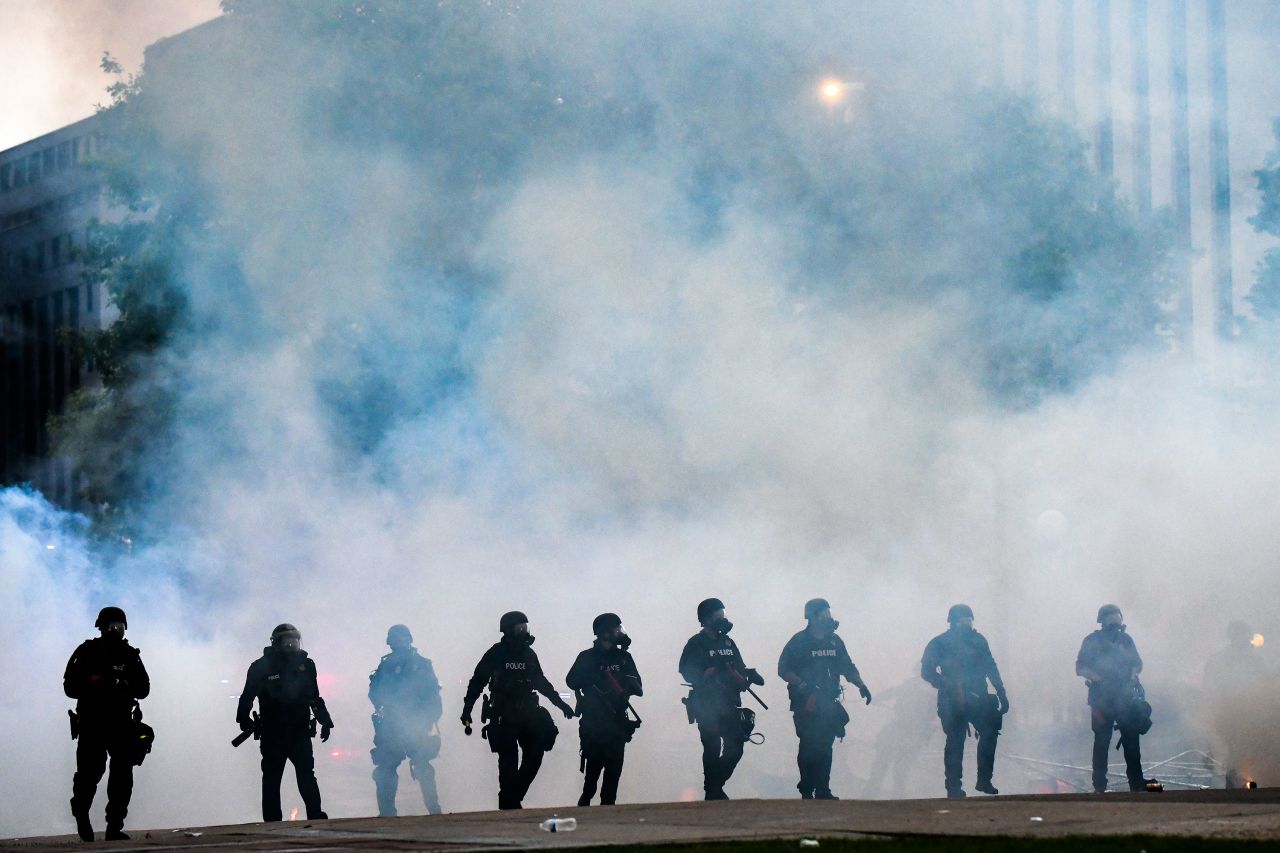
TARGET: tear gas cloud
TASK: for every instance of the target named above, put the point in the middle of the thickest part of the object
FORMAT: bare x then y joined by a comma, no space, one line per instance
634,318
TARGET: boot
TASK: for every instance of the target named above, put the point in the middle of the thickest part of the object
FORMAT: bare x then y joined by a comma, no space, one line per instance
824,795
83,828
115,833
986,787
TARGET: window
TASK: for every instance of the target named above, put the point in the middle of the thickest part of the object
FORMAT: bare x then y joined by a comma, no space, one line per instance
88,298
50,157
42,256
33,168
6,175
55,252
64,155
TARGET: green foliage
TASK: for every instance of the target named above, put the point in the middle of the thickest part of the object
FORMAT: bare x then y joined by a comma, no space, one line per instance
974,193
106,429
1264,297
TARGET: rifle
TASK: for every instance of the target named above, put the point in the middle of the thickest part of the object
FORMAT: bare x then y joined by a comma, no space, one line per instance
746,685
255,732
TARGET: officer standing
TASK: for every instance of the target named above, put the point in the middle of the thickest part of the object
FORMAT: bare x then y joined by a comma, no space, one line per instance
812,663
106,677
1239,687
604,678
1109,663
516,722
958,663
406,701
713,667
283,681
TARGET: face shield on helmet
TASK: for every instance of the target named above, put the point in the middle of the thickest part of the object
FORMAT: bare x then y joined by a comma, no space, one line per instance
286,638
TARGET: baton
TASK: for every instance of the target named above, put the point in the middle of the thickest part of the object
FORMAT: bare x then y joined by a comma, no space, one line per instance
633,711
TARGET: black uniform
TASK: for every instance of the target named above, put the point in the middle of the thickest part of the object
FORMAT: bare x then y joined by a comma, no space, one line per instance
604,680
405,694
516,722
715,668
819,662
958,664
106,677
284,683
1116,701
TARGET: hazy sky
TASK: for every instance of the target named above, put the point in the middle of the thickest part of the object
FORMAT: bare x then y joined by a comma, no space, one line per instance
52,49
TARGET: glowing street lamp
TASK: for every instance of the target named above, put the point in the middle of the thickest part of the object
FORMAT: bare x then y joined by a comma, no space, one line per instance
832,91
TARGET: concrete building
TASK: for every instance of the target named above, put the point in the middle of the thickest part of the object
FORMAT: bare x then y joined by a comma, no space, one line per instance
49,198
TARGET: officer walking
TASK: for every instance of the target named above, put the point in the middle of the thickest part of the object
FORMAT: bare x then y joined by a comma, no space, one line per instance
516,722
406,707
283,681
604,678
812,663
106,677
1109,663
713,667
958,663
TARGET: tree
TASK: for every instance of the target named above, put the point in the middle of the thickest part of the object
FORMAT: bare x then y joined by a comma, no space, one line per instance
1264,296
926,196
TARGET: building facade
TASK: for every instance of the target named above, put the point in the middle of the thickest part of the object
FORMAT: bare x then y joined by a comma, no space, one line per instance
49,199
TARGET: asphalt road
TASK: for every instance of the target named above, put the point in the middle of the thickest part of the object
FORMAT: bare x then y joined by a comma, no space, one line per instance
1217,814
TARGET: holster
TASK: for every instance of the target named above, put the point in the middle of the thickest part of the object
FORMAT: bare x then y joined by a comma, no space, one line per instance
75,724
688,709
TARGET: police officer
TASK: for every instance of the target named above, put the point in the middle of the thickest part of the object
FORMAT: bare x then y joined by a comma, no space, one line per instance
604,678
1238,685
406,701
106,677
958,663
812,663
283,681
516,722
1109,663
713,667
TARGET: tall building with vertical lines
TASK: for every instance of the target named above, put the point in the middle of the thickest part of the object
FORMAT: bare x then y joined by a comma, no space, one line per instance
49,198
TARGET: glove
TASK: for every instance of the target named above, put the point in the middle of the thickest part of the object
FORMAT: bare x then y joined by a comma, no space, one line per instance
811,703
755,677
864,693
246,726
324,733
1003,703
466,720
567,710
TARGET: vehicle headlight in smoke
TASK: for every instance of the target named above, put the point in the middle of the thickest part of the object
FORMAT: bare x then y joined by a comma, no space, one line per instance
1257,641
